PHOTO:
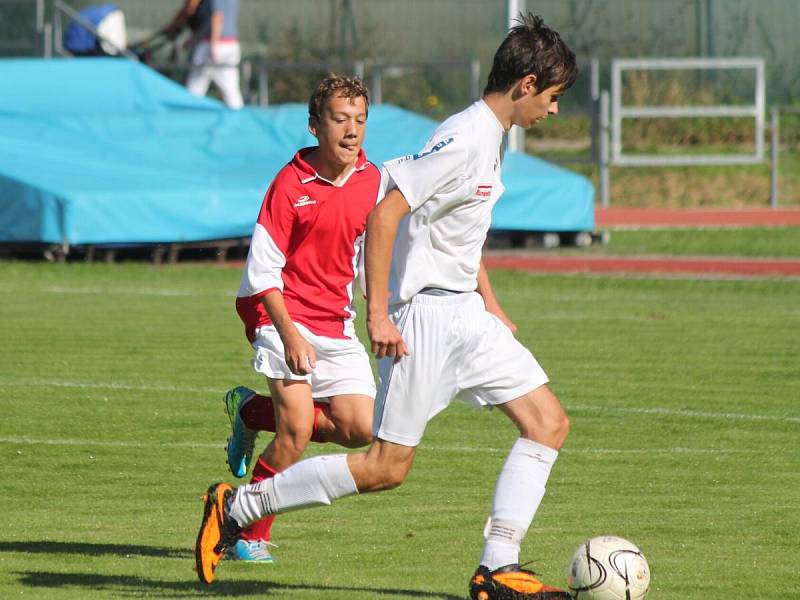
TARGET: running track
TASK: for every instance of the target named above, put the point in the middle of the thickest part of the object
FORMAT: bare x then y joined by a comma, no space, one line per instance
639,218
644,218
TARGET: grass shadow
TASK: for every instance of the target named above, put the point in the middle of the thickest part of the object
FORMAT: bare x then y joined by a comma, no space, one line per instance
131,586
87,549
126,585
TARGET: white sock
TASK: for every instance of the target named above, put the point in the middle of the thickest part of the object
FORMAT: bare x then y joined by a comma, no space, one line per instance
311,482
519,491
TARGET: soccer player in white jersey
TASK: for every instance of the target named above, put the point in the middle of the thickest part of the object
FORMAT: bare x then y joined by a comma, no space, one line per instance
295,301
437,328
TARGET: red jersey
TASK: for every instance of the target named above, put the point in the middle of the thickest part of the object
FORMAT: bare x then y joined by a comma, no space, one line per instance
307,243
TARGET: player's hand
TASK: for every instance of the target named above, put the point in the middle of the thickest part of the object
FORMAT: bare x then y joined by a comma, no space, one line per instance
299,354
386,339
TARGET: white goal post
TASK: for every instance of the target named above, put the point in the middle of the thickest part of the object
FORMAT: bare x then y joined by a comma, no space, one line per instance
756,110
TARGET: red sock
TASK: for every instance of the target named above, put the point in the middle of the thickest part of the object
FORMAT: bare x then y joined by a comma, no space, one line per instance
258,413
260,530
315,435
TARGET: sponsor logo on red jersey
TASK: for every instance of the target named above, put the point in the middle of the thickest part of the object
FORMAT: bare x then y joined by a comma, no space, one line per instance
303,201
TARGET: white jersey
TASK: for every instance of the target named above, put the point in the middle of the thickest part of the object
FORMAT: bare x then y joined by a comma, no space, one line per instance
451,185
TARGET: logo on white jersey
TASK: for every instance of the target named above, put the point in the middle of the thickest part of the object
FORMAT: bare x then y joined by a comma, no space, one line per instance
484,191
435,148
303,201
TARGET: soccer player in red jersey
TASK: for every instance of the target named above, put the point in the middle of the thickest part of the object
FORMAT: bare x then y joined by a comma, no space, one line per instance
295,301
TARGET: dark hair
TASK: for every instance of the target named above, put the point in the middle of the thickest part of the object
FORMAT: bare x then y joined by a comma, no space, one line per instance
532,48
347,87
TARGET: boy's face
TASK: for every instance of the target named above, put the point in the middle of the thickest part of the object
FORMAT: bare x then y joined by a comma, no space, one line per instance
340,129
535,106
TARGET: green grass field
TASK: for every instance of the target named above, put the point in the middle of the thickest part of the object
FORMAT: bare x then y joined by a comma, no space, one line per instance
685,438
748,243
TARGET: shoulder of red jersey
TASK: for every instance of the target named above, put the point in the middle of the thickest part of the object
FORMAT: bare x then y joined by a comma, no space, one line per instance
371,169
286,184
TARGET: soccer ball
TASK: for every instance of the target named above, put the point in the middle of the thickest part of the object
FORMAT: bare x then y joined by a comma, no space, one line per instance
608,568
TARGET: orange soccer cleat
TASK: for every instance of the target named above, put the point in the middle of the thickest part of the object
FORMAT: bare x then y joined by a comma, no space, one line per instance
511,583
218,531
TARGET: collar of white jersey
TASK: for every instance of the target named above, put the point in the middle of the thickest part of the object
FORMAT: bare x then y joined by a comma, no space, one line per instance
307,173
490,113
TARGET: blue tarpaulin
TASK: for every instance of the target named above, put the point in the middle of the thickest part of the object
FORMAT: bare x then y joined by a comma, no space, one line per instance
107,151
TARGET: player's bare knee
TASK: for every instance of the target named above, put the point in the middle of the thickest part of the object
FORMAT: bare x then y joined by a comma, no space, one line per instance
550,430
555,430
556,424
561,432
383,473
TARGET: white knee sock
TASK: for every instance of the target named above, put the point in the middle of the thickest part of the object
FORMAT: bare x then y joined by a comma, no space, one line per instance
314,481
520,489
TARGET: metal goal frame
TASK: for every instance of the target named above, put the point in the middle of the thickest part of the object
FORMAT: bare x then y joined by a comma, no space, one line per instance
620,111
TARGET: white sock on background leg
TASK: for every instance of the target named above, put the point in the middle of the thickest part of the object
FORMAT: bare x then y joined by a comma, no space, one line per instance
311,482
519,491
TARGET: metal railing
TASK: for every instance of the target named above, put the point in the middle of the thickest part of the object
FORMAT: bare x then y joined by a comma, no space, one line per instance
620,112
775,139
32,43
612,113
381,69
261,71
256,75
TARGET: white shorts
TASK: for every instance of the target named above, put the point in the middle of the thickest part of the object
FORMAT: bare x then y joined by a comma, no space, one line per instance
342,364
456,349
225,74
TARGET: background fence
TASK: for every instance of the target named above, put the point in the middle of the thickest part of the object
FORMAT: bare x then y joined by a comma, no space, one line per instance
430,53
459,30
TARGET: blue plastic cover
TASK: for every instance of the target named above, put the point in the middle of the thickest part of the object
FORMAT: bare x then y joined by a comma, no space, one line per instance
80,40
107,151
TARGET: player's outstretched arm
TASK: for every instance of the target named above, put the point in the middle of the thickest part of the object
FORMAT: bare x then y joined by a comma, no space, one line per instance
382,225
490,300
